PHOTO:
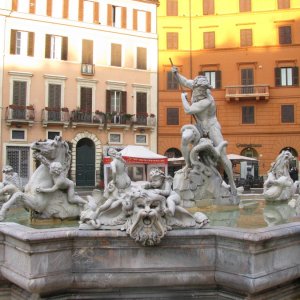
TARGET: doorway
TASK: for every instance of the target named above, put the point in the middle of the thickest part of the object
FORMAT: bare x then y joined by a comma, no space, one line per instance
85,163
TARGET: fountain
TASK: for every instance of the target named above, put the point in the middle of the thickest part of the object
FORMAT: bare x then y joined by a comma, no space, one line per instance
150,240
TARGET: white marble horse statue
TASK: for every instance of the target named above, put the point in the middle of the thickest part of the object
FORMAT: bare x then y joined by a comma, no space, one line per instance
40,194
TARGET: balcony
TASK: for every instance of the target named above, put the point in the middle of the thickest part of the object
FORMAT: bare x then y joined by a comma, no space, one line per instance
256,92
19,114
87,69
119,120
87,118
143,121
55,116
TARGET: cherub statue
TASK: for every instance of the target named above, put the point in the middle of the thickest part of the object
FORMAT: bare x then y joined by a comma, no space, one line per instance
162,185
11,183
61,182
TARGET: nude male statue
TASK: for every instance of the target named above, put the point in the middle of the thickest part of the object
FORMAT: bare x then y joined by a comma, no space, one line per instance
203,107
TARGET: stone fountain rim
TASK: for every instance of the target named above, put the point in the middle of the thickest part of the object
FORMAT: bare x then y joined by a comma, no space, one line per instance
26,234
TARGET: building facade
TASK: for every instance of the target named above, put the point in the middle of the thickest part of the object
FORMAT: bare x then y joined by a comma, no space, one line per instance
250,52
83,69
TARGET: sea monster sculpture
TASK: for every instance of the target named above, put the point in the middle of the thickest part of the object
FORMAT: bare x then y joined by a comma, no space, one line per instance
279,184
145,212
203,148
44,194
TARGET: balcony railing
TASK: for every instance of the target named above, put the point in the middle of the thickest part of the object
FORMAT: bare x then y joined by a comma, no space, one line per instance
87,69
52,115
20,114
80,117
144,120
247,91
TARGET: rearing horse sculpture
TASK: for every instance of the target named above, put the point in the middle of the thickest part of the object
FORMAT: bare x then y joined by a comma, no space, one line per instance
46,205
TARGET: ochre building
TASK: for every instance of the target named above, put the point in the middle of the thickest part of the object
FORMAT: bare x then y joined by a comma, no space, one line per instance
250,52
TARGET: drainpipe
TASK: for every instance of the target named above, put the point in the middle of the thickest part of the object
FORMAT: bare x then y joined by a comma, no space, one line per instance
2,85
191,58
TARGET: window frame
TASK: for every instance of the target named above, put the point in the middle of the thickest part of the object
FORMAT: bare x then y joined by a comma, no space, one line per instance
168,109
284,119
15,139
209,40
141,134
113,142
285,38
244,117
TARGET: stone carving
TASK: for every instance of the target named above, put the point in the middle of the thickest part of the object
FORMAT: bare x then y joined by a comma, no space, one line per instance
44,193
11,183
203,147
145,211
279,185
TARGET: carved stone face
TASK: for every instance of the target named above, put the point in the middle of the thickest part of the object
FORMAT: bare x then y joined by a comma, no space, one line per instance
147,225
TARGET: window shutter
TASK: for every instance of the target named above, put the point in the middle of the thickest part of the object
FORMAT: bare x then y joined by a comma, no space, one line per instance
141,58
47,46
96,12
109,14
277,76
208,7
218,79
13,34
15,5
172,116
134,21
30,49
124,17
19,93
172,40
148,21
80,10
64,48
66,9
295,76
124,102
108,101
54,95
86,99
87,51
49,8
32,7
172,7
116,55
141,103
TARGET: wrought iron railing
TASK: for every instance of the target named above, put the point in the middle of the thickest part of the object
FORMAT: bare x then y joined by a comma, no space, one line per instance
20,113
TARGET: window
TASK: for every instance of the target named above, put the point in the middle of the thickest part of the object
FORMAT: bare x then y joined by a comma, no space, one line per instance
115,138
247,80
248,115
116,59
208,7
141,58
287,113
19,99
18,135
245,5
172,7
18,158
172,40
116,101
86,99
246,37
116,16
52,134
141,20
54,102
214,78
172,116
285,35
21,43
209,40
141,108
56,47
287,76
283,4
87,51
172,83
141,139
57,8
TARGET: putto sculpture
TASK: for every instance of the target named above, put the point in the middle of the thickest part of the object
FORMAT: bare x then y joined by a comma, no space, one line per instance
279,184
203,147
11,184
45,192
146,212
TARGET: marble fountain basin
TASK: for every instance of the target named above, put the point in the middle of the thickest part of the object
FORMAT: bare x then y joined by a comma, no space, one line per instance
246,252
